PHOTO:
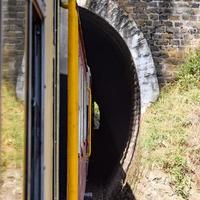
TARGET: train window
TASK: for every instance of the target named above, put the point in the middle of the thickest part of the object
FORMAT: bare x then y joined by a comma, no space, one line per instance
12,87
82,104
85,109
63,43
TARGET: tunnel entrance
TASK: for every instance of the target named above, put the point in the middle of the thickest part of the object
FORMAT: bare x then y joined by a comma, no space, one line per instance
115,89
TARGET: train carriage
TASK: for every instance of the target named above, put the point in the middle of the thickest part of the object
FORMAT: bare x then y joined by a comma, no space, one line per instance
67,66
84,113
47,88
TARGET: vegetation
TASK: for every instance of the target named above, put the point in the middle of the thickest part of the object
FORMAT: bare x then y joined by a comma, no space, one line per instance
189,75
12,130
169,125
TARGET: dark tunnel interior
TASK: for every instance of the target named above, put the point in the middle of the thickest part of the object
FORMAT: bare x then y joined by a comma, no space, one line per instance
110,61
113,82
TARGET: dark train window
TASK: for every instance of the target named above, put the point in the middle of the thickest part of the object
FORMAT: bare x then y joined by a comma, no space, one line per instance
63,104
35,140
36,109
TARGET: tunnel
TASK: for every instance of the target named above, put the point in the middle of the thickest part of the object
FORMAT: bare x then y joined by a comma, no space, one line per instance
115,89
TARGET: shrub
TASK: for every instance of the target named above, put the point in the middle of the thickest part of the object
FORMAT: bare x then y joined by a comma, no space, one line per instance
189,75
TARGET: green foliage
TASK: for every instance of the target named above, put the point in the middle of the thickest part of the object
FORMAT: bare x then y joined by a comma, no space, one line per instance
166,126
189,75
176,165
165,132
12,130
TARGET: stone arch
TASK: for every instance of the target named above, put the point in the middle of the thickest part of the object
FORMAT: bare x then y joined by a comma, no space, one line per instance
116,16
116,90
133,47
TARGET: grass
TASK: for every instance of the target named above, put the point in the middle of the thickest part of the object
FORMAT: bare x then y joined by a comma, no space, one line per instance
12,131
167,125
189,75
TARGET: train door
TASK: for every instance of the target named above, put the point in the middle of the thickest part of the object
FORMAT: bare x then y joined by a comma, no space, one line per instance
36,127
35,134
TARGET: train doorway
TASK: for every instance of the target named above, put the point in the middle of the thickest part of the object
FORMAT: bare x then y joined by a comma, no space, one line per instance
35,139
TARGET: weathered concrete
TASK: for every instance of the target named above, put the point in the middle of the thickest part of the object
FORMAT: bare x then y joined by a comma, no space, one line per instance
138,46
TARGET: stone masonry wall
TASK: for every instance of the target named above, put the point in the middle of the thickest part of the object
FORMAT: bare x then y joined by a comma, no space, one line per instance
13,38
170,26
14,44
118,18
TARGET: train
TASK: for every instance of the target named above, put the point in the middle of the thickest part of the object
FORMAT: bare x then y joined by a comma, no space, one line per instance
82,146
78,90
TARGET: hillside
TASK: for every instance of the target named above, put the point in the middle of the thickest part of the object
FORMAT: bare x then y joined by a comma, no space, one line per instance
167,161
